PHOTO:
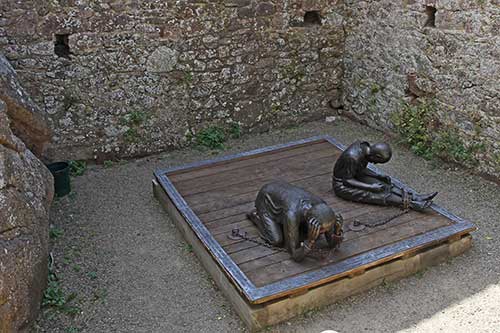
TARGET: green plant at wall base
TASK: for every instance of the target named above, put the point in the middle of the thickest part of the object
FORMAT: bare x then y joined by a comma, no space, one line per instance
54,297
235,131
412,124
189,248
72,329
55,233
77,168
449,145
415,126
212,137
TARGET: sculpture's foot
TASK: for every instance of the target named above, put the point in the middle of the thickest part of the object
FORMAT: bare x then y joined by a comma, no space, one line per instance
420,205
424,197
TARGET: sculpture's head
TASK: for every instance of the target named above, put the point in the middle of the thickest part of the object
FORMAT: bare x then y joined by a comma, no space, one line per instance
379,153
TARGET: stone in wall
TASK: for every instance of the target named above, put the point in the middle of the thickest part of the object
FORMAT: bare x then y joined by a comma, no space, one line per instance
28,122
139,77
26,191
453,50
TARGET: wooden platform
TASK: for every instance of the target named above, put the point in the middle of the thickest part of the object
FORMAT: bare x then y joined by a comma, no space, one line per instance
208,199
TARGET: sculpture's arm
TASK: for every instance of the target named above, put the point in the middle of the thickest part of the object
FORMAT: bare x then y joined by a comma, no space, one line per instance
371,173
363,186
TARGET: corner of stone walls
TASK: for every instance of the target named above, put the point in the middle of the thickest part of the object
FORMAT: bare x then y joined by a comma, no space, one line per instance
447,51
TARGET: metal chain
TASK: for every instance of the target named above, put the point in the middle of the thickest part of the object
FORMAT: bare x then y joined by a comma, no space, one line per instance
357,225
235,234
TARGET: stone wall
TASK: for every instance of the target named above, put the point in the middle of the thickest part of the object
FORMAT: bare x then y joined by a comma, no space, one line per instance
26,192
130,78
454,59
137,77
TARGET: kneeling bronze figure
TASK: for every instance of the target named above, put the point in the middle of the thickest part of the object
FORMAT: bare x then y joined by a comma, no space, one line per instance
291,217
353,181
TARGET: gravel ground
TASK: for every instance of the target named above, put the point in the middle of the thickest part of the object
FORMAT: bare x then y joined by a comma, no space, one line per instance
130,270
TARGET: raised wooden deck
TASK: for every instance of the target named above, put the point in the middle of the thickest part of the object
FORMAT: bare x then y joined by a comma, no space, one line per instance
208,199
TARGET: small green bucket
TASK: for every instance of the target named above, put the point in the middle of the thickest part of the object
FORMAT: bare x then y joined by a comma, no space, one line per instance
60,171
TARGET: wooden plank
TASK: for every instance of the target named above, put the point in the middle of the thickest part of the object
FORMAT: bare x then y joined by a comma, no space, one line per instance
238,246
246,161
411,216
226,220
251,254
226,212
245,185
235,168
288,268
254,172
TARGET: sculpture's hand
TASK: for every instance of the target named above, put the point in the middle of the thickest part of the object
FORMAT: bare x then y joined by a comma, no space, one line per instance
378,188
306,246
314,231
334,235
386,179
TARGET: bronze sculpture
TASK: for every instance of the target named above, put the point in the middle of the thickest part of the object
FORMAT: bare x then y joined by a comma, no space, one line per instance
353,181
291,217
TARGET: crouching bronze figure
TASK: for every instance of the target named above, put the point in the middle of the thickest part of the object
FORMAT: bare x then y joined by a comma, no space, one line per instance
353,181
291,217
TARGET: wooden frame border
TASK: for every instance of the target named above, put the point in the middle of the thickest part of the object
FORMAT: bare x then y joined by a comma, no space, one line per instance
258,295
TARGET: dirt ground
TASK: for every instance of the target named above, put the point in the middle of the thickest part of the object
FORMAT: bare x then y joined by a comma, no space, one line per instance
128,269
